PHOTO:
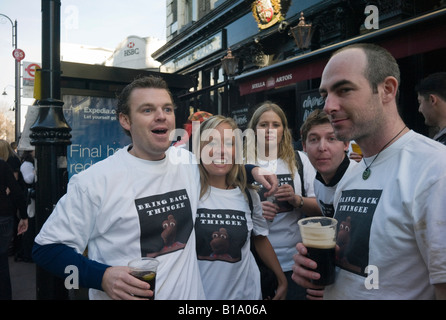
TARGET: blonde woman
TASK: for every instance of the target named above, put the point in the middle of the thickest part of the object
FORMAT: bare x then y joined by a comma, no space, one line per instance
273,150
8,154
224,221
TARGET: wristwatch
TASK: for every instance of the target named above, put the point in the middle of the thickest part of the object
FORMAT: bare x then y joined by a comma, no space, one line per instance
301,204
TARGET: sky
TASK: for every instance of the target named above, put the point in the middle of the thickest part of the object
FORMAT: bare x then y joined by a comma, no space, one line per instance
100,23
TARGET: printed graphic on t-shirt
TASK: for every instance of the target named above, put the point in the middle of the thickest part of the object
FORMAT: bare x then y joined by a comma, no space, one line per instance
165,221
220,234
327,208
284,206
354,213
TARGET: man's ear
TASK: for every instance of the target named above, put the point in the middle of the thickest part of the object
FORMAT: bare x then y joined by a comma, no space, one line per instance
124,120
433,99
390,86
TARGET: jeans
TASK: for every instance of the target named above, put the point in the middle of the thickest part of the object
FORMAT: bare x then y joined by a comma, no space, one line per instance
6,232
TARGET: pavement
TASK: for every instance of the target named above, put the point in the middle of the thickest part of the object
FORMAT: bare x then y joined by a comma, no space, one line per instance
23,282
23,279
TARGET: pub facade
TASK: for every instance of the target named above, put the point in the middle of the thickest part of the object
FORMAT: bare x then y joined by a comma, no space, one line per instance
243,52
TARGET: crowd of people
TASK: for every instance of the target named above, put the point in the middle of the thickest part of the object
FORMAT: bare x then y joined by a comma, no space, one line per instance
16,211
213,216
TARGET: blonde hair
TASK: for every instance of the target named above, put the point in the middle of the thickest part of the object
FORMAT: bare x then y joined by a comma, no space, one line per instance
285,150
5,150
237,175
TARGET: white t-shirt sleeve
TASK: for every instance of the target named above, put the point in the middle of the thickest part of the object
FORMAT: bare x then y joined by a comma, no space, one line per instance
71,221
260,226
309,175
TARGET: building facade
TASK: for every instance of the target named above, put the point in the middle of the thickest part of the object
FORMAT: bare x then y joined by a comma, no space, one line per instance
272,64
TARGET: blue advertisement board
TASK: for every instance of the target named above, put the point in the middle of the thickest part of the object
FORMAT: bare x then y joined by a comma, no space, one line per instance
96,132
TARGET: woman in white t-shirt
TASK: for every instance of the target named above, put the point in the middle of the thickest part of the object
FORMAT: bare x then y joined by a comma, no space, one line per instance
273,150
224,221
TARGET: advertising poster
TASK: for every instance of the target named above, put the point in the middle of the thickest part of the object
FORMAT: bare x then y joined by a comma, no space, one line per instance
96,132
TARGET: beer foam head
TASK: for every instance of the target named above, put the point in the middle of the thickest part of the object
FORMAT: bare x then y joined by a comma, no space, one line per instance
318,232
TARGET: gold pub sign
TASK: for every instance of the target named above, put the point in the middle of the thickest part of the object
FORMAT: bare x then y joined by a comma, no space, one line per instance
266,12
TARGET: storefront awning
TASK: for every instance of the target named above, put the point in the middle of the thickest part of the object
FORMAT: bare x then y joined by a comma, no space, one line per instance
415,36
283,78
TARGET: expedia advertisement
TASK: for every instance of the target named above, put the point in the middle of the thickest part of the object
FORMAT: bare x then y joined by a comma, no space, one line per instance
96,132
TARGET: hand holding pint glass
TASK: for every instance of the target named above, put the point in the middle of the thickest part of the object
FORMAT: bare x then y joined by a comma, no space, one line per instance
319,237
145,269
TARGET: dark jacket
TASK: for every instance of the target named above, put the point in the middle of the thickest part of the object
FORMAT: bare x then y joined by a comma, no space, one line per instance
15,198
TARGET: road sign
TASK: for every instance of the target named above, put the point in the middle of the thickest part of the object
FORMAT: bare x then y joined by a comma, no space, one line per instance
29,88
18,54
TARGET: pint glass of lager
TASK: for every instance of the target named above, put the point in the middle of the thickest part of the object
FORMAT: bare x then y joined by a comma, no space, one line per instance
319,236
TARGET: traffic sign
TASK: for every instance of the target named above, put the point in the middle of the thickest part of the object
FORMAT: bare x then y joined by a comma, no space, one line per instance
18,54
30,70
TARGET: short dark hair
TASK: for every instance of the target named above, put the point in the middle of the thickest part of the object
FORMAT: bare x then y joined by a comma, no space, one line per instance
380,63
142,82
433,84
317,117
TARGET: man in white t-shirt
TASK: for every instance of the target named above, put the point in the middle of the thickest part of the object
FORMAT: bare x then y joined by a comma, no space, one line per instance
328,155
118,208
390,207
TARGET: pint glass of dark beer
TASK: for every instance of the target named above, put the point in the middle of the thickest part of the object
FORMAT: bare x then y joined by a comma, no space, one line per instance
319,236
144,269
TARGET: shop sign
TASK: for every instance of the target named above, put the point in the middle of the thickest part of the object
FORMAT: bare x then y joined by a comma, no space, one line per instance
310,101
200,51
267,12
131,50
240,117
268,82
291,75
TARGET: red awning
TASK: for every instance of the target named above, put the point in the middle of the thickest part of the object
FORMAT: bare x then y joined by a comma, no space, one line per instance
283,77
416,41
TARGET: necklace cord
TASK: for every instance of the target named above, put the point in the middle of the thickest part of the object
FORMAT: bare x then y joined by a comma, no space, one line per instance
367,171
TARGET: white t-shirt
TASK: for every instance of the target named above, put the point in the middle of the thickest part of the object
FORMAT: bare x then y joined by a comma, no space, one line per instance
393,224
118,208
284,231
223,229
325,193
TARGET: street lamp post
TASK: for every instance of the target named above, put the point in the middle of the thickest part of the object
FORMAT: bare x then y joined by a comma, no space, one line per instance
17,78
50,135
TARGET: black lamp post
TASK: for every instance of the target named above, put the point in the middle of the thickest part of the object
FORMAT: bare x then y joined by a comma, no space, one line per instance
302,33
50,135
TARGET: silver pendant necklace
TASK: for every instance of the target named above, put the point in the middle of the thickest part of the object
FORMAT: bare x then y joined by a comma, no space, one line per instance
367,172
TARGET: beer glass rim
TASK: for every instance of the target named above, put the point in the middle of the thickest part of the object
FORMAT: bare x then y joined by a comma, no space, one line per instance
138,266
333,223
